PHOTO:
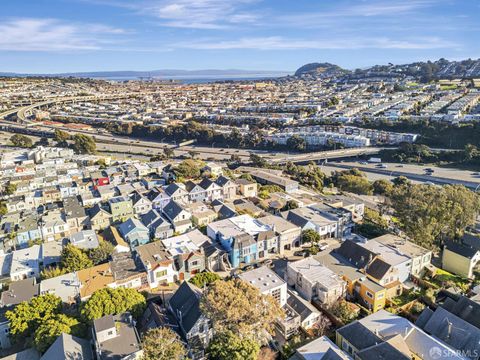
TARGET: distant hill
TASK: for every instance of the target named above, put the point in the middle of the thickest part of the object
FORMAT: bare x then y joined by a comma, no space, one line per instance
425,71
319,69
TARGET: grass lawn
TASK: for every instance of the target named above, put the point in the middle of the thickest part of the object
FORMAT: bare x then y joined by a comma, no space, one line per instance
445,279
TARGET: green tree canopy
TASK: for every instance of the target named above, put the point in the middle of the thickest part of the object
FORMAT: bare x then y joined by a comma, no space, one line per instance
310,236
108,301
101,253
230,346
162,344
51,328
382,187
84,144
353,181
296,143
168,152
429,214
237,306
257,160
52,272
61,136
21,141
204,278
74,259
10,189
189,169
27,316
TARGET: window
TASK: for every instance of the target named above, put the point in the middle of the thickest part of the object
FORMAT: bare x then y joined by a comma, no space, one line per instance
195,263
161,273
380,296
369,294
276,294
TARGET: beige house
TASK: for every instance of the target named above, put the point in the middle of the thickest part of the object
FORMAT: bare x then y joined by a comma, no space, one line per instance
460,259
289,235
247,188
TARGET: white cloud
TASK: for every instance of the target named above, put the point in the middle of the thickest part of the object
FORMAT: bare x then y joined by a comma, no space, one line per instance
35,34
281,43
191,14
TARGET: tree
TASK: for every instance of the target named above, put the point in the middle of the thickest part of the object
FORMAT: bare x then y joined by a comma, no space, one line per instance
428,214
231,346
235,159
373,224
247,177
353,181
84,144
471,152
296,143
74,259
21,141
10,189
51,328
343,310
400,181
310,175
258,161
382,187
310,236
193,154
204,278
265,190
169,152
61,136
189,169
27,316
101,253
290,205
162,344
52,272
239,307
108,301
3,208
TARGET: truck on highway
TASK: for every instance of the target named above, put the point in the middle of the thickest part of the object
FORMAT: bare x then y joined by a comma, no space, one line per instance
375,160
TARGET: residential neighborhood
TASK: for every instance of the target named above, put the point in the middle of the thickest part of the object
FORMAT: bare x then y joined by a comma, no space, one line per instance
113,232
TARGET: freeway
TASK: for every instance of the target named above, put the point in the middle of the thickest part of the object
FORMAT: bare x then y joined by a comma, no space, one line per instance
418,173
129,145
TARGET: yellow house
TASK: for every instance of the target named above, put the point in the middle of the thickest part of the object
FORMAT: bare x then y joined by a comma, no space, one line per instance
247,188
368,293
360,287
460,259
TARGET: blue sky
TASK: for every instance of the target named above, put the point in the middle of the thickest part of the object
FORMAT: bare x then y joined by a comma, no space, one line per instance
90,35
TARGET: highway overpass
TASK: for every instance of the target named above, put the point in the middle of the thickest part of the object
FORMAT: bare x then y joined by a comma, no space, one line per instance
325,155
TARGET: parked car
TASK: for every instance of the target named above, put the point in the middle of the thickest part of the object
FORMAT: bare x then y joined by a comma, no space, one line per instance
323,246
302,253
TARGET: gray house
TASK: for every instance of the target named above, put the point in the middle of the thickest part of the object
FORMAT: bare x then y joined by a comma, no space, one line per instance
193,326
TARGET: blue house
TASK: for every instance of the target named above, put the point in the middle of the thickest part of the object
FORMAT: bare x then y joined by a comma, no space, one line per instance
27,230
241,248
134,232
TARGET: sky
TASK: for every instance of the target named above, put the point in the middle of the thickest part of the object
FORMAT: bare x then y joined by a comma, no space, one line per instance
54,36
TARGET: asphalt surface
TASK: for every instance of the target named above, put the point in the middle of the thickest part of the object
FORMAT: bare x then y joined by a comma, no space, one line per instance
440,175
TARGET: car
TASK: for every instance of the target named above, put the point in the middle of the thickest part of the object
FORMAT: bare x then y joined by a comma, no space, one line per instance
382,166
399,166
302,253
323,246
430,170
364,162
